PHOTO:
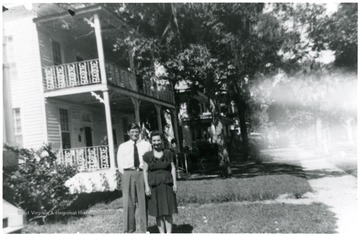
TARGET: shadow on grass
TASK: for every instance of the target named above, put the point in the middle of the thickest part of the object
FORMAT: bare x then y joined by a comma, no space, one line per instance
177,229
248,170
87,200
78,209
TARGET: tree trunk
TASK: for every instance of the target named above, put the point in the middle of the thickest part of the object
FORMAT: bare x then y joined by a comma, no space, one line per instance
240,104
243,127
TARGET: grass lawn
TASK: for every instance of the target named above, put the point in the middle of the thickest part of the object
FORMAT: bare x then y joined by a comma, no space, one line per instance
253,218
231,217
256,188
215,206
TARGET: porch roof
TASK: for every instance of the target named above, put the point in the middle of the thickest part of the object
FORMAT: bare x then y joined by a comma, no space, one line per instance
69,19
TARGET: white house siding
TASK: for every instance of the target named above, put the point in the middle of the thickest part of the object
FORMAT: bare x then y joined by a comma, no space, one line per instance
75,112
70,48
26,90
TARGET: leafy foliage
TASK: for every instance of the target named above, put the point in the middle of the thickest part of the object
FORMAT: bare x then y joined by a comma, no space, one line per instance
37,186
223,49
339,33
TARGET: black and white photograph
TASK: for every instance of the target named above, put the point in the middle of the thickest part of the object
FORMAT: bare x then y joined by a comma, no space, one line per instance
179,117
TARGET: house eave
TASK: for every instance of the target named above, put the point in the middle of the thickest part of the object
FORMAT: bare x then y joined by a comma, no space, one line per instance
81,11
102,10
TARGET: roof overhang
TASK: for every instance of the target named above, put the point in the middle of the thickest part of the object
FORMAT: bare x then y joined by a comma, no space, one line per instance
109,20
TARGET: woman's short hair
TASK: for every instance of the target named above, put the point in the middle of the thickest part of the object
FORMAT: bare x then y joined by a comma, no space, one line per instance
155,133
133,126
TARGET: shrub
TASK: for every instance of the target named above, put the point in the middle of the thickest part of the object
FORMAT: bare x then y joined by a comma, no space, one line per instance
37,186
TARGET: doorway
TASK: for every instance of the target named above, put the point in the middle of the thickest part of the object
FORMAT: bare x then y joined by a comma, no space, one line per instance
88,137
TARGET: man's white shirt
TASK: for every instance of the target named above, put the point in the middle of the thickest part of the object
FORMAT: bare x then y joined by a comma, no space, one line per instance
125,154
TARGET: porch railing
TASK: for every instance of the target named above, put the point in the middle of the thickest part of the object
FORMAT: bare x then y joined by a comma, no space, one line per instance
127,79
86,158
166,93
121,77
88,72
72,74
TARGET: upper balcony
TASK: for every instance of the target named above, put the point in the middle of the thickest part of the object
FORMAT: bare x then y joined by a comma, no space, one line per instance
72,48
87,72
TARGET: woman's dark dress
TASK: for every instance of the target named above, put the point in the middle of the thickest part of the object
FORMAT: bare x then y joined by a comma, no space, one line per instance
162,200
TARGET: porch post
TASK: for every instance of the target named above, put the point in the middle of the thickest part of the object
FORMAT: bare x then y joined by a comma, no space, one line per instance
175,127
136,102
158,114
100,50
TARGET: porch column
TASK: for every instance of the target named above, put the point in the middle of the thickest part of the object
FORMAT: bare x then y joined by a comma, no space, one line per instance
100,50
175,127
136,102
158,114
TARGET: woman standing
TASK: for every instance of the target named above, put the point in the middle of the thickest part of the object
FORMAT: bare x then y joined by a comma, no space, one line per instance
160,183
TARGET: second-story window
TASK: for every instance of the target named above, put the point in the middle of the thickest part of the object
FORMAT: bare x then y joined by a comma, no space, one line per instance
56,49
65,129
10,49
17,126
10,60
13,75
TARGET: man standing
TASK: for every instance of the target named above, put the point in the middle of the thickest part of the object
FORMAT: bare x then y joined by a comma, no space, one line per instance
130,164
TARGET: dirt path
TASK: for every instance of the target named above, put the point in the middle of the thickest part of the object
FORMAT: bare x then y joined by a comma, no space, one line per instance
332,186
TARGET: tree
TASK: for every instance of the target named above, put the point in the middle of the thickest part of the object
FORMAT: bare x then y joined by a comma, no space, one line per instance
217,46
226,47
338,32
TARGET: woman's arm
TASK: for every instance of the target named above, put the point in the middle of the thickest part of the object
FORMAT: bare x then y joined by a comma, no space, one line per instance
173,173
146,173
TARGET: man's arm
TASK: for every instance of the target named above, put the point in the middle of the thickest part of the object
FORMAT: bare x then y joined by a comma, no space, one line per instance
119,160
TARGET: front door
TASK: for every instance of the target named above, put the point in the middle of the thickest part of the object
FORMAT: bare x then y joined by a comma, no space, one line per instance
88,137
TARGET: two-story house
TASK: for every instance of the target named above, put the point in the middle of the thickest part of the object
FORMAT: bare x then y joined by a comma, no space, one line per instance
195,117
68,86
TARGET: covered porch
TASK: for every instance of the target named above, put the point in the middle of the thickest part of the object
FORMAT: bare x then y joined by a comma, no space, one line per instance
88,72
89,146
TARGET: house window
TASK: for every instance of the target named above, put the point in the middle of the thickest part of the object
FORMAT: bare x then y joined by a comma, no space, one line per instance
65,129
56,52
5,222
10,49
10,57
17,126
12,71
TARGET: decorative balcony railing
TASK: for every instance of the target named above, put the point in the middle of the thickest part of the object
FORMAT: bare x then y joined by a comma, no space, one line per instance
72,74
127,79
86,158
121,77
88,72
165,93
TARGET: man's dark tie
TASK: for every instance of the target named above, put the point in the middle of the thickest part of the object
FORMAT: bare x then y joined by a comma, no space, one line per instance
136,156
